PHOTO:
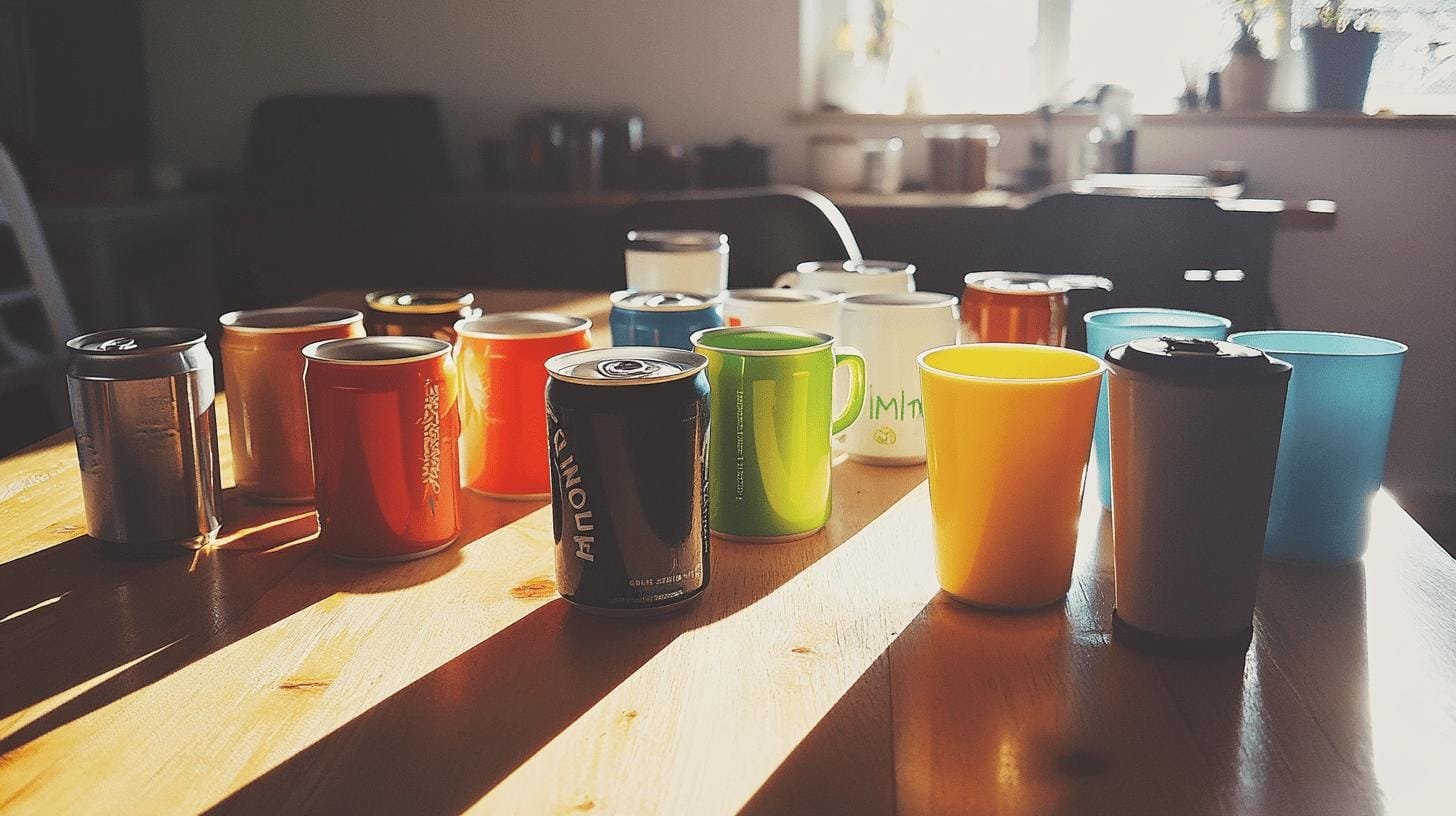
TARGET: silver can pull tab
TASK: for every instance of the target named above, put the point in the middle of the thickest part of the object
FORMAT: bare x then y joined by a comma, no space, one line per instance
669,299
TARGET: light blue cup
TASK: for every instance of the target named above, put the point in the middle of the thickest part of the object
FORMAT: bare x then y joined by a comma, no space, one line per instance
1332,449
1113,327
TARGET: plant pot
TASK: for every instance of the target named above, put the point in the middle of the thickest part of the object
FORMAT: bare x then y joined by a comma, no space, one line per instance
1339,66
853,85
1245,83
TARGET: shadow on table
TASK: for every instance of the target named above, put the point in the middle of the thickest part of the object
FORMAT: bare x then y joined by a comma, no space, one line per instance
444,741
75,613
974,711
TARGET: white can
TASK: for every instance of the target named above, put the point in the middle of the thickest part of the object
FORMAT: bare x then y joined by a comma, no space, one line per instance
805,309
677,261
891,330
884,165
851,277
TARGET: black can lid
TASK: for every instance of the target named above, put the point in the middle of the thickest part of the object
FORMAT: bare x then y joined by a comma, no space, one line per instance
625,365
420,301
1195,359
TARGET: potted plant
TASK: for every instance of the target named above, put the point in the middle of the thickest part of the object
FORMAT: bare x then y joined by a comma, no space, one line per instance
1248,78
854,72
1338,49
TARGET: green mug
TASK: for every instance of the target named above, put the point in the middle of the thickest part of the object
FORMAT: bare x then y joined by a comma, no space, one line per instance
768,446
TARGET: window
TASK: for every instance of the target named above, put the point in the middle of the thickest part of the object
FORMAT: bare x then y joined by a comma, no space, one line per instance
1009,56
1415,66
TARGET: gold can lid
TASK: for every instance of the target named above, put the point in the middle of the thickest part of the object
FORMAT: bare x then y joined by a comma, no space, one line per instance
420,301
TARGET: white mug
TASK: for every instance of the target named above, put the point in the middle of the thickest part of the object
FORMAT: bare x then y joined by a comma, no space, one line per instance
851,277
677,261
800,308
891,330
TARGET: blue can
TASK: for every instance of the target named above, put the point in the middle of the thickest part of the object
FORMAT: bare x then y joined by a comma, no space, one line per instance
664,319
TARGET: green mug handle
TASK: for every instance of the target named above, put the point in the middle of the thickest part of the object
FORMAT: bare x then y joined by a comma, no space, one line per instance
849,356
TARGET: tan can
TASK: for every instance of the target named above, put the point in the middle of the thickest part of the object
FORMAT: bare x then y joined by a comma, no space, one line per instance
262,361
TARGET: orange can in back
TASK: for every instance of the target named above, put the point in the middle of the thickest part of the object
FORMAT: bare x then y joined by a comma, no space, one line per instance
1014,307
385,423
1020,307
503,397
262,359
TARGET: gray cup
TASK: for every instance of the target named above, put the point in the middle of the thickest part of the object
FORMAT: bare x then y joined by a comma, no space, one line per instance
1194,427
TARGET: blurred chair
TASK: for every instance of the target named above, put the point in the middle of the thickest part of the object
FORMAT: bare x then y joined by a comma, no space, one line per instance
306,149
1177,252
31,356
329,186
770,229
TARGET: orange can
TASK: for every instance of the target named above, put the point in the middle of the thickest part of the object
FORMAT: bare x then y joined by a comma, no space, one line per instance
385,421
1020,307
503,397
262,360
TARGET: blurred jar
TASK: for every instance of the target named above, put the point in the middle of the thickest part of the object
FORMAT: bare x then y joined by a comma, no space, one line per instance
884,165
962,157
584,141
622,149
836,162
542,162
736,164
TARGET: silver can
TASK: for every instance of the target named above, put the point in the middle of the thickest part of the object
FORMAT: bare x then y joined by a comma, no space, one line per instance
143,405
677,261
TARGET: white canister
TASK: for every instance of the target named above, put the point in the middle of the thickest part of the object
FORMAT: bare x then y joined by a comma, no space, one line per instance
851,277
836,163
800,308
677,261
891,331
884,165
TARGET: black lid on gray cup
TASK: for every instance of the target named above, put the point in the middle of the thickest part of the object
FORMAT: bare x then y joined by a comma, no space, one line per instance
1195,360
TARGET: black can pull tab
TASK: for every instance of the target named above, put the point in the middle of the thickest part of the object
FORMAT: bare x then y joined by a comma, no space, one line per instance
626,369
118,344
1189,345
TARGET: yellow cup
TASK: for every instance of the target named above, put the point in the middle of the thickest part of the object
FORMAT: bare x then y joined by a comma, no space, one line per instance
1008,429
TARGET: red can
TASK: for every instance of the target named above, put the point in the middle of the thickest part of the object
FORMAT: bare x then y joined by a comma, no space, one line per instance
1020,307
385,427
502,396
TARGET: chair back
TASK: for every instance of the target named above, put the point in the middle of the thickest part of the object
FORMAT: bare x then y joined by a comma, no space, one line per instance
770,229
1178,252
313,148
32,347
44,285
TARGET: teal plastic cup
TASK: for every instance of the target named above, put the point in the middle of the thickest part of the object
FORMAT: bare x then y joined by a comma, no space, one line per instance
1332,447
1113,327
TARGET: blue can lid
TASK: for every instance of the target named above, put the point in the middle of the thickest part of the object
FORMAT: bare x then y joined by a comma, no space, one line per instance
664,301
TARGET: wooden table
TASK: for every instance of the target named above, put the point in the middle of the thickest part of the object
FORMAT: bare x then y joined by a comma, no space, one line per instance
821,676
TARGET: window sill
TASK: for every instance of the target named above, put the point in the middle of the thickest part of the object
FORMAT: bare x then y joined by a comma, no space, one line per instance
1263,118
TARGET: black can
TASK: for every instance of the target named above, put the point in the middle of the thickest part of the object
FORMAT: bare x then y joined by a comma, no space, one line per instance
627,433
419,312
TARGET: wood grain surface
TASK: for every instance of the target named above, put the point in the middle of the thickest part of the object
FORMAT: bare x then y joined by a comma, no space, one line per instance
826,675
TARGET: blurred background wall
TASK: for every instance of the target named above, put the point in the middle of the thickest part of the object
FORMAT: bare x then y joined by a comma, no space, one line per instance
711,70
